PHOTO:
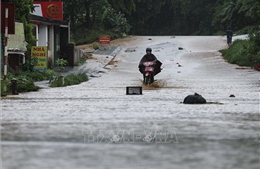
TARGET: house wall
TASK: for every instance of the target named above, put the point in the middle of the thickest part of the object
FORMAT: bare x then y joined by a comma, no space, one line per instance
51,50
56,38
45,37
42,35
52,31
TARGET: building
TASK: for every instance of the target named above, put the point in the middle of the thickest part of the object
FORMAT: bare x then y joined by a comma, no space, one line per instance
51,30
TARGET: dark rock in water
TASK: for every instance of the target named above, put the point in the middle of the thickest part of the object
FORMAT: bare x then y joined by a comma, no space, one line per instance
194,99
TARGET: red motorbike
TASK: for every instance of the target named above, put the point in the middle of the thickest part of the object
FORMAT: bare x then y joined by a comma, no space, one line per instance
148,72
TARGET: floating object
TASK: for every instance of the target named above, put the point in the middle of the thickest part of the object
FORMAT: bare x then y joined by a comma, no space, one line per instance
232,95
194,99
134,90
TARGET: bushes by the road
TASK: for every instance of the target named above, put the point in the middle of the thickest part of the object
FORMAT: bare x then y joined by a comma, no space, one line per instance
25,80
243,52
236,54
34,75
24,84
69,80
4,84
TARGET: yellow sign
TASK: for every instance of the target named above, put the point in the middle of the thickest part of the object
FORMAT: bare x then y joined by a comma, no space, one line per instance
39,55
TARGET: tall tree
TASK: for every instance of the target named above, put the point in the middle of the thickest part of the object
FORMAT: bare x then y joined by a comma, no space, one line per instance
144,10
182,17
85,13
238,13
124,6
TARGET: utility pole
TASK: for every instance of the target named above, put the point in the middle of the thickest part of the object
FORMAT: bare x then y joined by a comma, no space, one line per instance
6,44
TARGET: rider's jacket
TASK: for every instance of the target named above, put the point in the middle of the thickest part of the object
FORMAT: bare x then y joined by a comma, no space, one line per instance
150,57
146,58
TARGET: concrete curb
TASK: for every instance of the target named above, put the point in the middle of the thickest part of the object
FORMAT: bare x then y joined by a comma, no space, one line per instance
114,54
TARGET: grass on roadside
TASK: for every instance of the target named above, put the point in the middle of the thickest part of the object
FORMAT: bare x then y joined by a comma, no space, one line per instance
235,54
240,53
25,80
69,80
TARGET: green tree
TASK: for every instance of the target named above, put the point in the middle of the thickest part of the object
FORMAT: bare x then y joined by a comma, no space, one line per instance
124,6
237,13
99,15
144,11
174,17
242,14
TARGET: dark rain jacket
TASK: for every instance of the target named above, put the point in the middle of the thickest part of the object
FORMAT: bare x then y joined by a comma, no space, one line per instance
229,33
229,36
151,57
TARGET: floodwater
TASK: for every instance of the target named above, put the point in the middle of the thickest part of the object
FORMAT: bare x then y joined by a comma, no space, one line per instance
95,125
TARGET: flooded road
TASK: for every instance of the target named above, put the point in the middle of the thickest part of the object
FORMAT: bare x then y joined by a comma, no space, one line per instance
95,125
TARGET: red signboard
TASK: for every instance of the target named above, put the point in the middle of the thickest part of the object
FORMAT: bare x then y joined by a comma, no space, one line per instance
51,10
10,21
104,39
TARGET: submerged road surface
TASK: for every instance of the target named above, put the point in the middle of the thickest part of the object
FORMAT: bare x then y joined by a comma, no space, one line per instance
95,125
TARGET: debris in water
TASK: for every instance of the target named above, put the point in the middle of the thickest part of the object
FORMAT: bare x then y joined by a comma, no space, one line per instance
194,99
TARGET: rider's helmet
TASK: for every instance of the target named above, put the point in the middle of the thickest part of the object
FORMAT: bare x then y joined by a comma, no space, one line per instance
149,49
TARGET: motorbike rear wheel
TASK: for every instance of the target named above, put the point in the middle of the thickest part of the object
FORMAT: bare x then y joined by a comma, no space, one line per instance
148,80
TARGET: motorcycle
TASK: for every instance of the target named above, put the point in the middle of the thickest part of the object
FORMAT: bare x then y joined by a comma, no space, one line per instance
148,72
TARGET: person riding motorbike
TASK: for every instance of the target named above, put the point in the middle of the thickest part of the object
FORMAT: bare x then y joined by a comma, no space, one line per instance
150,57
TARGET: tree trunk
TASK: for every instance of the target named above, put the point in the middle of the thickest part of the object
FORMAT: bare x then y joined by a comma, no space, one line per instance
88,19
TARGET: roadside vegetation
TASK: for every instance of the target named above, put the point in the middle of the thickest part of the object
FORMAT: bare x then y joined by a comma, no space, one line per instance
25,80
69,80
244,52
236,53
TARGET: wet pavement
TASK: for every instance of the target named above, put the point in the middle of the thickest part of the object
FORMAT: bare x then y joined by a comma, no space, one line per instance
96,125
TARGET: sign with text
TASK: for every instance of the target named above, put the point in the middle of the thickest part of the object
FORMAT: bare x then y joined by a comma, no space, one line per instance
104,39
51,10
39,54
10,20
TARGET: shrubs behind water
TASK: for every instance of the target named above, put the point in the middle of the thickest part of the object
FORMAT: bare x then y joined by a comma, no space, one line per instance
69,80
242,53
25,85
25,80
